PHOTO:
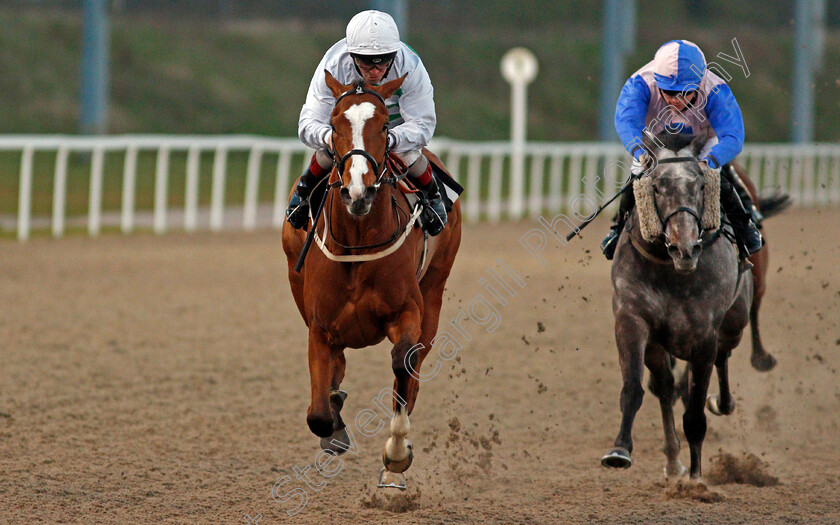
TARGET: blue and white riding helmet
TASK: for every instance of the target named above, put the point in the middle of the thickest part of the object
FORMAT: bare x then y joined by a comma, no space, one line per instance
677,65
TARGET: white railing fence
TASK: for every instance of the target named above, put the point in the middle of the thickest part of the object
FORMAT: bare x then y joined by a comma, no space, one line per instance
557,177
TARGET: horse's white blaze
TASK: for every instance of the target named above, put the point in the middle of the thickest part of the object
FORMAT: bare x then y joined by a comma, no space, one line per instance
358,114
395,447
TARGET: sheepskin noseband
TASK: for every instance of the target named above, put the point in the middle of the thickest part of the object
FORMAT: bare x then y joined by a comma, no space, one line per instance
649,224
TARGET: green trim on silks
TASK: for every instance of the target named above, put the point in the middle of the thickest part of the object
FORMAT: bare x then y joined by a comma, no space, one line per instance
394,116
649,223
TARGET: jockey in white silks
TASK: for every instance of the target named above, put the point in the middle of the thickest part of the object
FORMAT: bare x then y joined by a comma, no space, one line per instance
372,51
675,92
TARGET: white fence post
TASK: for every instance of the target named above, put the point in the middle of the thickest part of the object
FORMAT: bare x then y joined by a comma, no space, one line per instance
129,185
97,167
217,198
59,192
25,197
252,185
161,186
473,188
191,189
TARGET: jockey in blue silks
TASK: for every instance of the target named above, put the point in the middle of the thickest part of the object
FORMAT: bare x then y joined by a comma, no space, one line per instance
677,93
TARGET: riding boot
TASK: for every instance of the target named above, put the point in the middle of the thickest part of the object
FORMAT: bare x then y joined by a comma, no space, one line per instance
298,211
434,215
746,234
626,203
743,194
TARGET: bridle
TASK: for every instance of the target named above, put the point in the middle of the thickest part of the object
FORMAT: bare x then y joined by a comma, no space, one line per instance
380,169
404,221
681,209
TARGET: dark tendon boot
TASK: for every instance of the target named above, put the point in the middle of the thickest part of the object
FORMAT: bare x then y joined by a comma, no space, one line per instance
746,234
298,211
434,214
610,242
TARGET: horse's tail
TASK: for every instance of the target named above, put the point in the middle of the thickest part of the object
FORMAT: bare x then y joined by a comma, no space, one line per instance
774,204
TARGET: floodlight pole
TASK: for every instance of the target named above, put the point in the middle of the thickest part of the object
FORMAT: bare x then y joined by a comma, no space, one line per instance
617,42
94,67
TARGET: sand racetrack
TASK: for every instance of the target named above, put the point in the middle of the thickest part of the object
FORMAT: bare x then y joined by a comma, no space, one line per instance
164,380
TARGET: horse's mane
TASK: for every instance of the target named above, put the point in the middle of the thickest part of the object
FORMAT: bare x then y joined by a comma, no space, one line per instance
672,141
675,141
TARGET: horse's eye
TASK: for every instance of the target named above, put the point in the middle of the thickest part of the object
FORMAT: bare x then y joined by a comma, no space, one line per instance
385,128
656,189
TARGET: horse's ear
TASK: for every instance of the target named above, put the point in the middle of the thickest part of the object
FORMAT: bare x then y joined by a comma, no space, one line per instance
387,89
335,86
699,141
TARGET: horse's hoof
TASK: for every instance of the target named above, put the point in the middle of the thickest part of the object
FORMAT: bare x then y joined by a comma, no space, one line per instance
618,457
338,442
401,465
763,362
391,480
713,404
675,471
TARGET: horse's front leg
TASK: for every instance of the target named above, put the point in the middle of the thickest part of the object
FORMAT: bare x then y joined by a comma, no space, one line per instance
398,455
694,418
631,336
320,417
339,441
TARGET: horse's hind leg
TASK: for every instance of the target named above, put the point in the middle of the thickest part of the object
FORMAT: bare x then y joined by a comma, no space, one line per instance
662,386
722,404
761,359
631,335
399,453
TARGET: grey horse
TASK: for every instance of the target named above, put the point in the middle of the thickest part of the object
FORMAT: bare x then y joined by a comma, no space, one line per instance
678,296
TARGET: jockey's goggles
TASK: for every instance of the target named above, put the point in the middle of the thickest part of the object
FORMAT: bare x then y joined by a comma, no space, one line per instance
374,60
678,93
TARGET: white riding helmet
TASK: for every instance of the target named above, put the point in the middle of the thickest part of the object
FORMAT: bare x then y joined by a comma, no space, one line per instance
372,33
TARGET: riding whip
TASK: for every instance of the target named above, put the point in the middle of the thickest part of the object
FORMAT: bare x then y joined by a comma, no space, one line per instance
592,217
311,233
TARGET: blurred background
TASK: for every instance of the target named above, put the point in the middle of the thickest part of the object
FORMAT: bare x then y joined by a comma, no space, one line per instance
225,67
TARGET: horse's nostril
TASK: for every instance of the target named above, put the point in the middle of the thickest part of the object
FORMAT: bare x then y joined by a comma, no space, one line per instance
370,194
345,194
695,252
673,251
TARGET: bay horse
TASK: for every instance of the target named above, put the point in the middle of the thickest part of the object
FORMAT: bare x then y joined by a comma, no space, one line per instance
679,295
366,282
